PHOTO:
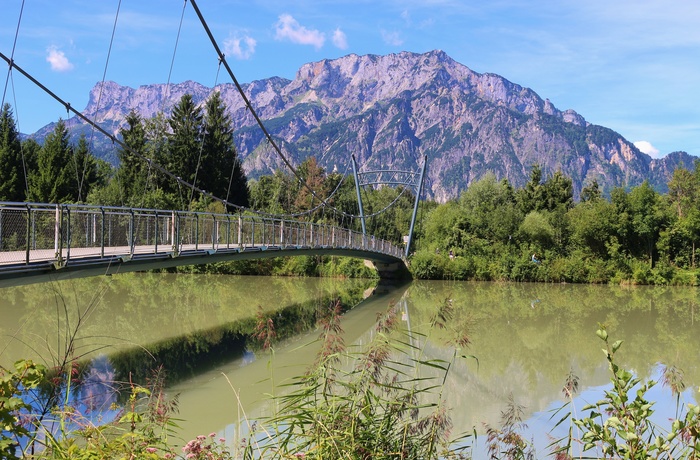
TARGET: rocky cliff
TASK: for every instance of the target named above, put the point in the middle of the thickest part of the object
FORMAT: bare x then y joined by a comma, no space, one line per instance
391,110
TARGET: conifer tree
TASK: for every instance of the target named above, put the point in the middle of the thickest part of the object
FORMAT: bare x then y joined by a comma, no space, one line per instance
12,180
132,169
220,171
53,181
85,169
184,142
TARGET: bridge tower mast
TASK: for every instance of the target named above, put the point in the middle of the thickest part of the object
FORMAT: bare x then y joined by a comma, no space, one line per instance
391,177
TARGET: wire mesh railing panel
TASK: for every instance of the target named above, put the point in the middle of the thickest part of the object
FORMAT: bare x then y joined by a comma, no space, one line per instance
187,231
35,232
42,229
14,228
117,227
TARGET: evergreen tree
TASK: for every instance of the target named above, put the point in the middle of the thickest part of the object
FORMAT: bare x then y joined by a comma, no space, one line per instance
591,191
184,143
220,171
157,130
12,180
530,196
84,168
132,169
556,193
53,181
31,149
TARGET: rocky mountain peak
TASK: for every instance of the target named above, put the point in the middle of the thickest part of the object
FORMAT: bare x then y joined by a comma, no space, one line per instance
391,110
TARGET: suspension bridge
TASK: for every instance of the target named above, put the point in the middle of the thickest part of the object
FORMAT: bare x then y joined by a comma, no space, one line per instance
42,241
45,241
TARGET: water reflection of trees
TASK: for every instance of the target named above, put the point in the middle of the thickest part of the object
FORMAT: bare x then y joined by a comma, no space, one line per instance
527,337
183,320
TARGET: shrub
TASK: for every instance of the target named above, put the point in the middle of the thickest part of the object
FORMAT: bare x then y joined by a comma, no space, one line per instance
427,266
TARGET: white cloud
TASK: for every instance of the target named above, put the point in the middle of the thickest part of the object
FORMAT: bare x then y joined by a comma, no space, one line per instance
288,28
240,47
58,60
391,38
646,147
340,40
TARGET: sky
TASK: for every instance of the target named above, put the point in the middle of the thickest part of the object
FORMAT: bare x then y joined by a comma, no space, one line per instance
629,65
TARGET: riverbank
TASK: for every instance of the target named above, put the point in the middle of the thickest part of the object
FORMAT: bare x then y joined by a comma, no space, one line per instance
518,265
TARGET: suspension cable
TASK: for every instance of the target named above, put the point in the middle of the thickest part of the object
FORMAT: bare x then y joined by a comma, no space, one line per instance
12,55
81,180
172,61
21,144
249,106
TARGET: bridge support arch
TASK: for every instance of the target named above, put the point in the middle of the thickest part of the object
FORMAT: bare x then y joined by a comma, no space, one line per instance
391,177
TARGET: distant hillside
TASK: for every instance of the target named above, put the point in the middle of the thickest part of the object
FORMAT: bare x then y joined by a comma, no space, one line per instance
391,110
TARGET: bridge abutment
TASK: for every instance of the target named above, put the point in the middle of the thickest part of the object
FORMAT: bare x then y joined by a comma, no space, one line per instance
390,271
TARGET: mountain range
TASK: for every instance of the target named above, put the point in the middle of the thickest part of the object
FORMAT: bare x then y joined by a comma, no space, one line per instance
390,111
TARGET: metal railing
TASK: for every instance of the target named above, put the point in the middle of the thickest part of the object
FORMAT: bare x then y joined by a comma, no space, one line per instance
58,233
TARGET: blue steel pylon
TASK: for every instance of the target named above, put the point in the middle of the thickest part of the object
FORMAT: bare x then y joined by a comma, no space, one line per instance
411,179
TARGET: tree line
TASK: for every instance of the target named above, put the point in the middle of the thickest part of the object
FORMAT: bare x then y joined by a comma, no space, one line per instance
538,232
194,143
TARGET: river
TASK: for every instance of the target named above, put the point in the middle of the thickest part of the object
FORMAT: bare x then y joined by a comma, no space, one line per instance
524,338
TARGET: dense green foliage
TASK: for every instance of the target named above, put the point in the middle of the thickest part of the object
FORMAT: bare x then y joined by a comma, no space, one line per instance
538,233
12,177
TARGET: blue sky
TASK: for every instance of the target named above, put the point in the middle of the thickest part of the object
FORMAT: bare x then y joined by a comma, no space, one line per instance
630,65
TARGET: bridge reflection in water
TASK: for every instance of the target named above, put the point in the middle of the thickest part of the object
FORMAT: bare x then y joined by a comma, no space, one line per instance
64,240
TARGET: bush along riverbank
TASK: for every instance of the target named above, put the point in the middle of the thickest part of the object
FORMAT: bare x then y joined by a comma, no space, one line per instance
384,401
517,264
539,233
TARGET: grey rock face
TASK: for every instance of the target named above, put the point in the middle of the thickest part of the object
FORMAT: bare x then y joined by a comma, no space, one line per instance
391,110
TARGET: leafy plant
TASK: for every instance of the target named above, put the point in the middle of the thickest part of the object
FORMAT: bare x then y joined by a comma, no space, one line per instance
377,406
620,425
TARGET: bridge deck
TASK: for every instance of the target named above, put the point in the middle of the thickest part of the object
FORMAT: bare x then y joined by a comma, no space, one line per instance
39,240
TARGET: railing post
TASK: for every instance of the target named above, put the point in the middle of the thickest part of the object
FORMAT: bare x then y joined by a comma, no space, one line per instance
264,234
312,243
240,228
27,235
213,232
132,224
176,233
282,233
102,233
196,231
156,233
68,234
228,231
57,232
33,230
